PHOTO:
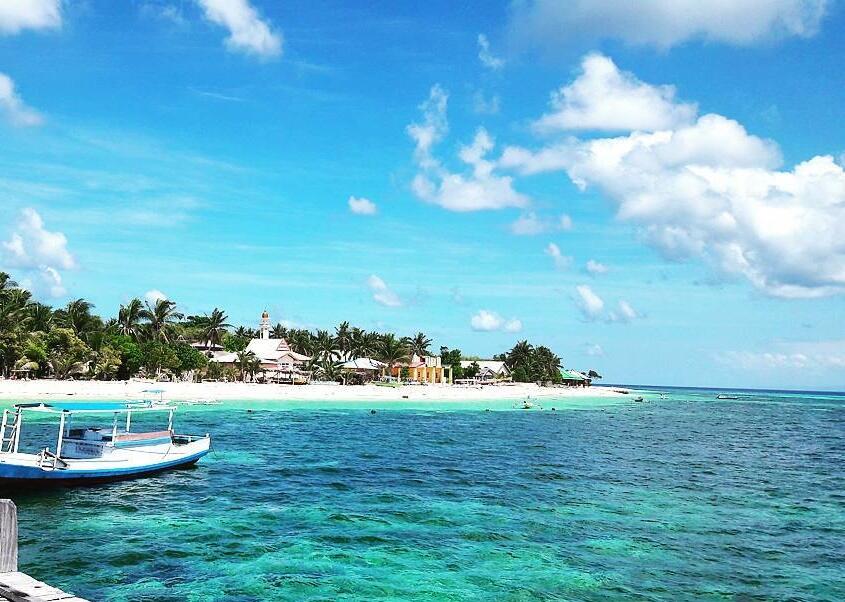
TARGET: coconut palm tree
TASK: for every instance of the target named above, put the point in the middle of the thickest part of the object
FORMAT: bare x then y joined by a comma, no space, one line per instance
279,332
77,316
248,363
215,327
393,351
329,370
323,345
343,339
39,318
129,318
519,356
161,318
418,344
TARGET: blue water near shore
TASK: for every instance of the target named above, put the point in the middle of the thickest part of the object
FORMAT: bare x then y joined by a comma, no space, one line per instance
685,498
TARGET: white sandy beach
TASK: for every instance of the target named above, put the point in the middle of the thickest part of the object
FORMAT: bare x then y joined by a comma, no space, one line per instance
114,390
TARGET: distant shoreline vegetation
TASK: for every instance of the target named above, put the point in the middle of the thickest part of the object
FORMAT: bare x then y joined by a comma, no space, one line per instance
155,340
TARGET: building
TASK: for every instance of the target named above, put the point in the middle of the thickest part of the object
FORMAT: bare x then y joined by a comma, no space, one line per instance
427,369
280,363
488,370
573,378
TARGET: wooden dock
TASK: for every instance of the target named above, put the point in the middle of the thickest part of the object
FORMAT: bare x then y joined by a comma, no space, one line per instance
16,586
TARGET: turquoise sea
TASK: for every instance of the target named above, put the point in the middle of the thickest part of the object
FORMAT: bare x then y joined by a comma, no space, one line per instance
683,498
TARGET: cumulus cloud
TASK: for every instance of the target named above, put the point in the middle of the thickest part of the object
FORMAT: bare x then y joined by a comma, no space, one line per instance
595,268
489,321
485,56
479,188
560,260
13,108
32,245
154,296
663,23
248,32
38,253
362,206
708,189
605,98
17,15
565,222
383,294
590,304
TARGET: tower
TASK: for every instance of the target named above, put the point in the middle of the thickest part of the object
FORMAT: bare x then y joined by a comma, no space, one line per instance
265,325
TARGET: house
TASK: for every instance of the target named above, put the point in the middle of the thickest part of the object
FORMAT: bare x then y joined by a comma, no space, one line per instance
279,362
426,369
488,370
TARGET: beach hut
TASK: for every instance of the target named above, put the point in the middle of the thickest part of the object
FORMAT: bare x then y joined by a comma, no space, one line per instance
573,378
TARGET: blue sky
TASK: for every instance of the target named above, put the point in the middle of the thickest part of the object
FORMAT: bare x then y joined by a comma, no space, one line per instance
445,169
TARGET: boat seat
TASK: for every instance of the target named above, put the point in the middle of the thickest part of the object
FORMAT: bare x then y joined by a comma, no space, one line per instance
143,436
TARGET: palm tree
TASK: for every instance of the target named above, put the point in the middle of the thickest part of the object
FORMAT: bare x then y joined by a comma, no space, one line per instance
77,316
161,319
520,355
392,351
343,339
323,345
40,318
215,327
418,344
329,370
6,282
279,332
129,318
247,362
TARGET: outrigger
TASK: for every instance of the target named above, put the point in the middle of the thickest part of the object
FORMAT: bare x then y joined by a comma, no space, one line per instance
95,454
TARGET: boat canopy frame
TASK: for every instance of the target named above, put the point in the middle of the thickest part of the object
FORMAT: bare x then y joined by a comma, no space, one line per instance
65,418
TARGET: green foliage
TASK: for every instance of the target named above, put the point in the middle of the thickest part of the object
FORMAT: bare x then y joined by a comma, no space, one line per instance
189,358
159,357
234,343
452,358
67,354
131,357
532,364
107,363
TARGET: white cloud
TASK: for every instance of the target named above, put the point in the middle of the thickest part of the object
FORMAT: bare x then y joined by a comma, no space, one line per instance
664,23
485,56
44,281
590,304
711,190
486,321
489,321
595,268
605,98
529,224
33,246
594,350
480,189
561,261
623,313
362,206
17,15
11,105
38,253
382,294
248,33
154,296
807,356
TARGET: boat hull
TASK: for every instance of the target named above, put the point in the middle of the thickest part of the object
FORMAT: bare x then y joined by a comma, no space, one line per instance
20,470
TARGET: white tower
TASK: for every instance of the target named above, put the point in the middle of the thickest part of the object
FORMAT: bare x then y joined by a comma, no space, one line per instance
265,325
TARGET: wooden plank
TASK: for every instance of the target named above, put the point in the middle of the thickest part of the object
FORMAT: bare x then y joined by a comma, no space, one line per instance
8,536
19,587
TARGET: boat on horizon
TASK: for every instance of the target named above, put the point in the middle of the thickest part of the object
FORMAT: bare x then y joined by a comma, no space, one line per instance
91,454
726,396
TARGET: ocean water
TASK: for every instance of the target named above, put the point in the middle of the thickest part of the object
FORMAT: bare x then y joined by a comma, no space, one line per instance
685,498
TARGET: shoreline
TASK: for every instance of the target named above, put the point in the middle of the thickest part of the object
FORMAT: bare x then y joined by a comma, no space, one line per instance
13,390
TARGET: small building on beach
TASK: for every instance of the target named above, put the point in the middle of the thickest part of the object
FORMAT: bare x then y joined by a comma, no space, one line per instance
426,369
488,370
279,362
573,378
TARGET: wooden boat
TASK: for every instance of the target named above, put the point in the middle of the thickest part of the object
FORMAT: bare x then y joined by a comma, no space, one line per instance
639,398
94,454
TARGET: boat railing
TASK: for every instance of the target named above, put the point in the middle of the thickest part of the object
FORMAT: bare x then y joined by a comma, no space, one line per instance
10,433
48,460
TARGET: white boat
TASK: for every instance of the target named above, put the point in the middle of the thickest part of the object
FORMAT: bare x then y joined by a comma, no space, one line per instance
94,454
204,401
